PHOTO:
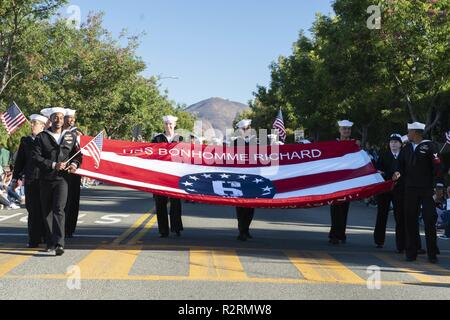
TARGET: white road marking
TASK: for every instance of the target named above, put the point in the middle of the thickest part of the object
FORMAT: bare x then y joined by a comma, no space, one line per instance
76,236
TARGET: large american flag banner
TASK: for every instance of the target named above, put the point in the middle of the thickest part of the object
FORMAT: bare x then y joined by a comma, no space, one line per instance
12,118
290,176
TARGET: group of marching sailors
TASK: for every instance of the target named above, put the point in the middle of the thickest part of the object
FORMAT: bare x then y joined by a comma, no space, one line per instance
244,215
414,164
52,191
49,157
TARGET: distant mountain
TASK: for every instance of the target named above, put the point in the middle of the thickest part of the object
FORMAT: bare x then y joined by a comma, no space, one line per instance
217,113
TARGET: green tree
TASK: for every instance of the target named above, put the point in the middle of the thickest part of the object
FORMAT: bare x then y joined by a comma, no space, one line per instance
416,36
349,70
90,71
17,17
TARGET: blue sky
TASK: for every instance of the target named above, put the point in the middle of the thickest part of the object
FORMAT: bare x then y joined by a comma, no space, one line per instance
216,48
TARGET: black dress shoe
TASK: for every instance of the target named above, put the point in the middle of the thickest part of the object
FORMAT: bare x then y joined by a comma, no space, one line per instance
421,252
344,241
433,260
32,246
59,251
379,246
164,236
178,233
248,235
411,259
334,242
242,237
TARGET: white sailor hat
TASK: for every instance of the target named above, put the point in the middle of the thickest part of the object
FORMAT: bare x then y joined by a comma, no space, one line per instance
345,124
405,139
416,126
244,123
396,137
170,119
48,112
70,112
38,117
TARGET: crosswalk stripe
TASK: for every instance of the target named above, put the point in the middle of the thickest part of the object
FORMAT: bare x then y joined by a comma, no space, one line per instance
308,267
228,265
322,267
222,264
108,263
201,264
407,267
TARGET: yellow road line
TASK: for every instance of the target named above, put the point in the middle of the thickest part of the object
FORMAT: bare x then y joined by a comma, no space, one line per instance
322,267
127,233
420,275
154,278
223,264
143,231
440,273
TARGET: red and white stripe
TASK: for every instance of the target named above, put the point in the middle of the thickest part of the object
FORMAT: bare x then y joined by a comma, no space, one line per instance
12,124
343,173
93,151
279,126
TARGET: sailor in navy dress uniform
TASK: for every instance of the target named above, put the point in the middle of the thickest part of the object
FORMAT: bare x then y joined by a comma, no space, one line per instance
72,208
387,164
245,215
176,223
339,212
24,168
52,150
420,167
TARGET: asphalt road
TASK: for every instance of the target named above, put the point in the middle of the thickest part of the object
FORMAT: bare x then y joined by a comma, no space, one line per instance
117,254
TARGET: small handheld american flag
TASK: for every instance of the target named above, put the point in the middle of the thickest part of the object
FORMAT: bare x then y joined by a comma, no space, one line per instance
13,118
447,141
94,149
278,125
